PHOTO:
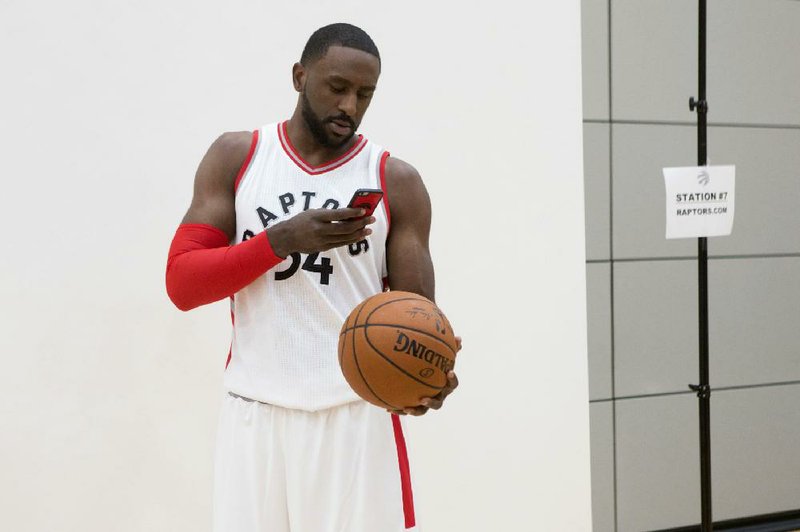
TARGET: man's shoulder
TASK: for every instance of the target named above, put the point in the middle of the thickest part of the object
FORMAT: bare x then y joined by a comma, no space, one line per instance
232,144
400,172
407,196
228,153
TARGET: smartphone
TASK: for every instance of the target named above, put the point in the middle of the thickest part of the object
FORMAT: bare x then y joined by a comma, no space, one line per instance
367,199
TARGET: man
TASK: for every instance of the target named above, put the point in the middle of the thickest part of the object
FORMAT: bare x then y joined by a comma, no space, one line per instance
297,449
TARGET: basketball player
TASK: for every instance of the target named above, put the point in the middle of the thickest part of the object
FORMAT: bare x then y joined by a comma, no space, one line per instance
297,450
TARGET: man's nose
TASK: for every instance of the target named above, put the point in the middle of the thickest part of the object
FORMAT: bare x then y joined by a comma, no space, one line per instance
347,104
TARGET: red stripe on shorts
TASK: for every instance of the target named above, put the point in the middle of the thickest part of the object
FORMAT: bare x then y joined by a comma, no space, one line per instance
405,472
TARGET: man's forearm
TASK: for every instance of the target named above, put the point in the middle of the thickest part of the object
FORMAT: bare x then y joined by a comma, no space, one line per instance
203,268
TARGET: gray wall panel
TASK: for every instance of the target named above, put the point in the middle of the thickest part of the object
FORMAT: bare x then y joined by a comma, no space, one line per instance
767,188
754,312
655,326
598,305
653,58
658,466
639,154
767,218
753,71
601,426
594,57
755,460
596,190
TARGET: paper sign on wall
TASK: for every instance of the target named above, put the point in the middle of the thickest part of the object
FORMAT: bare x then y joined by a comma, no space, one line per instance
699,200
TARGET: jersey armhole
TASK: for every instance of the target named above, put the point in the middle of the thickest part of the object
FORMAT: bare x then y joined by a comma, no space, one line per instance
246,163
382,177
385,203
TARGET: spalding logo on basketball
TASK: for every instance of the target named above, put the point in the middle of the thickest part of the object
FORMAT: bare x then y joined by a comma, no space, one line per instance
396,348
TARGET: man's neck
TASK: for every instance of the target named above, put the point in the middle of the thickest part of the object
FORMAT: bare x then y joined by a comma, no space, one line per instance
307,146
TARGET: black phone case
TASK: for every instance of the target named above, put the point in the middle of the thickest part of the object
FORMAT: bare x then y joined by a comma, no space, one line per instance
367,199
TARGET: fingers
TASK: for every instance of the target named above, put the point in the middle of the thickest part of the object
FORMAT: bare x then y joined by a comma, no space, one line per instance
338,215
341,231
343,240
333,241
348,227
452,382
431,403
437,401
434,403
324,229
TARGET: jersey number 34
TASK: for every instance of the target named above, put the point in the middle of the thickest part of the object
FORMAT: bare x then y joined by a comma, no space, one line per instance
323,268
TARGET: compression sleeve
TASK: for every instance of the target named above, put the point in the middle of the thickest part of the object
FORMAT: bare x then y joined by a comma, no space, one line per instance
203,268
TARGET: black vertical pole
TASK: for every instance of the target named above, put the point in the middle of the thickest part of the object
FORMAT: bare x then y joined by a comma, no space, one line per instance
703,389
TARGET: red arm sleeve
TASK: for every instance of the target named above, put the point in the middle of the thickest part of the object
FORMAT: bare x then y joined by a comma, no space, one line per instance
203,268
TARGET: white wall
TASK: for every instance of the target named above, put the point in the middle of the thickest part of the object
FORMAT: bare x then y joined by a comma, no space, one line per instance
109,396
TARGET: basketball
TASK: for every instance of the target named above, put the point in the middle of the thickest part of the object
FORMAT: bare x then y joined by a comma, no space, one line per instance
396,348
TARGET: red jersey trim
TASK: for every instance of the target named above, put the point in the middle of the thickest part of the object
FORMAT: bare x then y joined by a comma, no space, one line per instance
405,473
246,163
295,156
382,174
233,324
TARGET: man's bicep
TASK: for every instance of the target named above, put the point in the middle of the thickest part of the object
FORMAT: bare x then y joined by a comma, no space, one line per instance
409,263
212,207
213,198
408,255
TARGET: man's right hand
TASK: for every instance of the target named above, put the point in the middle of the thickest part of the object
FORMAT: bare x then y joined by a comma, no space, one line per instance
318,230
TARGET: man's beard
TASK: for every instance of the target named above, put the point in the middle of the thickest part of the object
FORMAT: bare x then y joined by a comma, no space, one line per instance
317,126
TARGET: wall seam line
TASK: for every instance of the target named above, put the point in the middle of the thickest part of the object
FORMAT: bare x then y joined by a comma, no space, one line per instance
611,262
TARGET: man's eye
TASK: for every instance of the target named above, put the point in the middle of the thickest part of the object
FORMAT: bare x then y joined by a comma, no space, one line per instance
364,96
337,90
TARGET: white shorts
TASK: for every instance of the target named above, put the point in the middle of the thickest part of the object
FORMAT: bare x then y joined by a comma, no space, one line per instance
343,469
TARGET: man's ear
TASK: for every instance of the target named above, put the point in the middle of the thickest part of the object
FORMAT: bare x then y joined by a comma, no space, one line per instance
298,77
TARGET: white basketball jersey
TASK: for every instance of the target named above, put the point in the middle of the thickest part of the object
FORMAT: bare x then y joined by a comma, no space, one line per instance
287,322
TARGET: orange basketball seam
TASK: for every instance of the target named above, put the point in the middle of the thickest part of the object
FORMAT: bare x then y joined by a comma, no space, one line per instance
366,382
390,361
358,367
345,328
341,349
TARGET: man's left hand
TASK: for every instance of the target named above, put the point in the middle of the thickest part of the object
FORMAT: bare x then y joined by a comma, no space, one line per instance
437,400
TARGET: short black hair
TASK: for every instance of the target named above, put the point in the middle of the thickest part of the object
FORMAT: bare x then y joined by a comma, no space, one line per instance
339,34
